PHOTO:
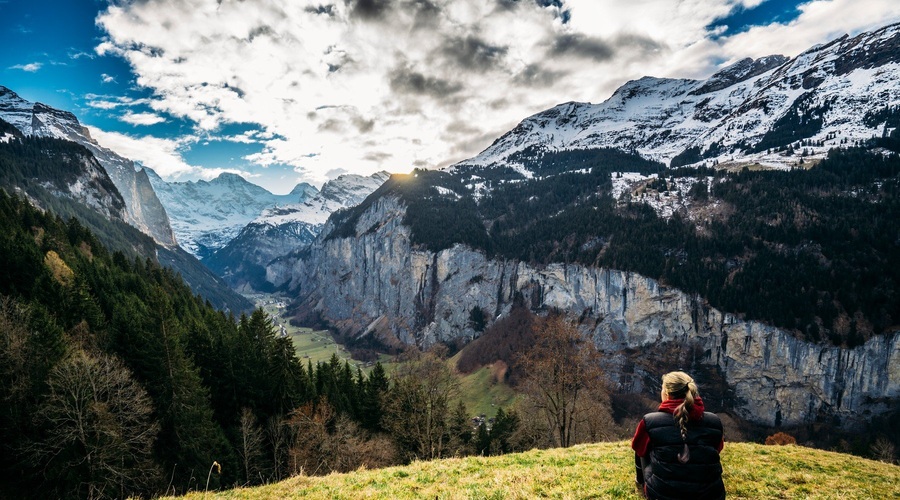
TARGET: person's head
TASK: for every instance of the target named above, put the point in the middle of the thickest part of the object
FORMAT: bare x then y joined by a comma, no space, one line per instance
679,385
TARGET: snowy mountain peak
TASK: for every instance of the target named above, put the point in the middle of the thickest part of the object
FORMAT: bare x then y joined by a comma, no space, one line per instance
738,72
750,111
304,190
229,178
281,230
206,215
351,189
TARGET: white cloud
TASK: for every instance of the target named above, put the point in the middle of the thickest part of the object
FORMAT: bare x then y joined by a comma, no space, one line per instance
30,67
112,102
411,83
141,118
162,155
107,78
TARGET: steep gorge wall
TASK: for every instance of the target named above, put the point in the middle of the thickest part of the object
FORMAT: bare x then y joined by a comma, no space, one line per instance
377,283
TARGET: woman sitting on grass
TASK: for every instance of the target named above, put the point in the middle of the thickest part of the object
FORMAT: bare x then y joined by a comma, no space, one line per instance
677,448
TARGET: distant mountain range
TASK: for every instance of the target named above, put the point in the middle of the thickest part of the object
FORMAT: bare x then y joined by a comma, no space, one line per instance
287,228
202,217
206,215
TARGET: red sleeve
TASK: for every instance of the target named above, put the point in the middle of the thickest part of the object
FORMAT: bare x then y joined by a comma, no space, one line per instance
641,440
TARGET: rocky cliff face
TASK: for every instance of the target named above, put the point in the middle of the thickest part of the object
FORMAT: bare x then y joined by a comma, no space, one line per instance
143,209
377,283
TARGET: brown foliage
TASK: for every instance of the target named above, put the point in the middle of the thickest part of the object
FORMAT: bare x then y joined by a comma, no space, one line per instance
781,439
502,341
323,442
562,376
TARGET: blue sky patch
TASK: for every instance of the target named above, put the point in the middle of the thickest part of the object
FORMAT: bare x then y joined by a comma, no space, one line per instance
769,12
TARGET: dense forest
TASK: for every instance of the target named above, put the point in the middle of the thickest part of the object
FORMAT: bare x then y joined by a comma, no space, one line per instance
814,251
119,381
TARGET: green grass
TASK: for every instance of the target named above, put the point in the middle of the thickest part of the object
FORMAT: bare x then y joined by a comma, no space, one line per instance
481,394
603,470
311,345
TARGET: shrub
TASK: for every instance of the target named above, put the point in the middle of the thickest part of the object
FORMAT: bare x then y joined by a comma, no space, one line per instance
780,439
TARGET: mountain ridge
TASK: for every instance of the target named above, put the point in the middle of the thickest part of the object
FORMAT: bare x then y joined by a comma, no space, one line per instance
279,231
661,118
144,209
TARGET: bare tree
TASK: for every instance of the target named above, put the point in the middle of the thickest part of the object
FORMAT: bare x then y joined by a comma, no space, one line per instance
418,404
279,435
564,380
884,450
99,431
251,444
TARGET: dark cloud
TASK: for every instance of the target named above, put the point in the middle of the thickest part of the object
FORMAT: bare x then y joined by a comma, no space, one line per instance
377,156
461,127
405,81
427,14
599,50
332,125
339,119
262,30
363,125
369,9
322,10
575,44
534,75
642,43
473,53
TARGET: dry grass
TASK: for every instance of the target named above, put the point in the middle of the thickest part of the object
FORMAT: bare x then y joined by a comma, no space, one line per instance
603,470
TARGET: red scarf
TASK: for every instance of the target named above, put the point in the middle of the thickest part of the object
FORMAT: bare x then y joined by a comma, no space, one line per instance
670,405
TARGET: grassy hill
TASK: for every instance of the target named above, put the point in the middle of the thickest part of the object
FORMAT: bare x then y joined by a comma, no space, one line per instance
603,470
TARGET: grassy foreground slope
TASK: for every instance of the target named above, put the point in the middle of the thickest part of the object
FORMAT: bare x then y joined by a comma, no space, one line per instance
603,470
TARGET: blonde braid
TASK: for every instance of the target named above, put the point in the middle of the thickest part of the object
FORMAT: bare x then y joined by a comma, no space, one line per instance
675,384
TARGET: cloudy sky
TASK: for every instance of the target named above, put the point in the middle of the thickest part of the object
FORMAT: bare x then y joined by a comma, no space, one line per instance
284,91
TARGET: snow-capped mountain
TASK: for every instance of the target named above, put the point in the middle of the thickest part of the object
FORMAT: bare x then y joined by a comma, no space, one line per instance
75,175
281,230
143,209
206,215
748,112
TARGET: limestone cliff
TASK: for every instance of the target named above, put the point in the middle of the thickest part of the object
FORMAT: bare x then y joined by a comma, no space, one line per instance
378,283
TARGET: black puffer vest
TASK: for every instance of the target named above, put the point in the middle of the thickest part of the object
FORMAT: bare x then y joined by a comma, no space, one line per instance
701,477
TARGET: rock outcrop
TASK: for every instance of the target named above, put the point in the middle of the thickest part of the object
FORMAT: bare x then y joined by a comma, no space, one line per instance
378,283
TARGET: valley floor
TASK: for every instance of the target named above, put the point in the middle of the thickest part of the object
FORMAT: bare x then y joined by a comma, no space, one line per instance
311,345
602,470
